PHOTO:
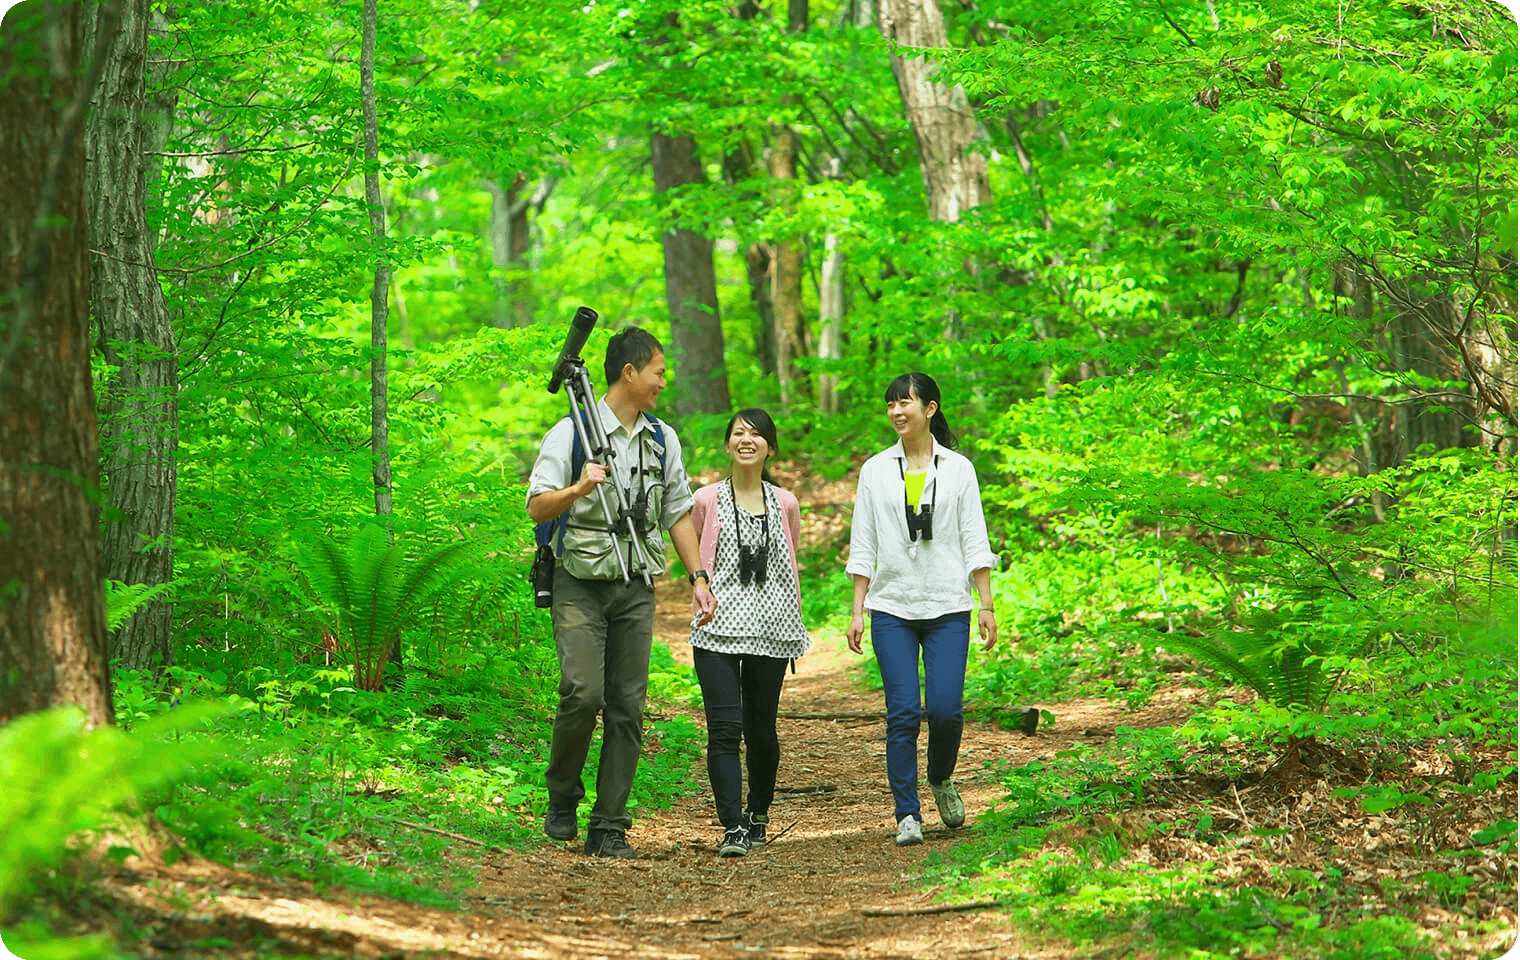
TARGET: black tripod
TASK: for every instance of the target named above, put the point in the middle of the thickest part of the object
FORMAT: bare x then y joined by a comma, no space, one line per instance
589,433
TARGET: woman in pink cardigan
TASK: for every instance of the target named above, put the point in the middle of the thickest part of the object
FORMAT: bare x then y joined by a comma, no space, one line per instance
747,529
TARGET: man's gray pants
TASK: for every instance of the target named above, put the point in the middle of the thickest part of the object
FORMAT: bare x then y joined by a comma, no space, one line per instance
602,632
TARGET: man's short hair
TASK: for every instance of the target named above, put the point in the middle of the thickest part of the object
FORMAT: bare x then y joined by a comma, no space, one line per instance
633,345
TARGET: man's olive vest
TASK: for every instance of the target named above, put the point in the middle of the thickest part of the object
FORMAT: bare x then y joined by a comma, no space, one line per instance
581,535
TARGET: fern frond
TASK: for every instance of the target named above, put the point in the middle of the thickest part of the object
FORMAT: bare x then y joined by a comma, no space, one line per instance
125,599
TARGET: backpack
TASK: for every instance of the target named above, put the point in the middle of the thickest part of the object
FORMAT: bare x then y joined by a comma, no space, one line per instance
550,535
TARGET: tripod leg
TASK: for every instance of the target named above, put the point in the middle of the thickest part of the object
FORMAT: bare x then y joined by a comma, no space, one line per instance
573,385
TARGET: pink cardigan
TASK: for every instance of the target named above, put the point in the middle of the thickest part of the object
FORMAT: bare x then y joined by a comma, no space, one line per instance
704,513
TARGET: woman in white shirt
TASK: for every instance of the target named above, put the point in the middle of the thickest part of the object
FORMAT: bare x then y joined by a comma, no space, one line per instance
918,542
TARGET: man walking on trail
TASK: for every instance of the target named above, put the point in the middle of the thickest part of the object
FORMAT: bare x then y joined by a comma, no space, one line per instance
604,624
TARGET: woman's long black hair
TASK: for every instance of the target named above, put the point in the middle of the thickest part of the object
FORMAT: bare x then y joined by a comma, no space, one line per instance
764,426
923,385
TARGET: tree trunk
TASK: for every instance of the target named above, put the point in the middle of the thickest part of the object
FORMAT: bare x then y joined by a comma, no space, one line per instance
831,313
139,410
52,623
691,288
757,270
786,271
509,252
786,260
955,176
379,431
737,164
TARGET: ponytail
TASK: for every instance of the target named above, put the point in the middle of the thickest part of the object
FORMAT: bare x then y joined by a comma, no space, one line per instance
923,386
941,430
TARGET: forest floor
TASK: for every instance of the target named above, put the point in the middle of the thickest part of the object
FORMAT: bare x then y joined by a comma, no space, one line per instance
833,884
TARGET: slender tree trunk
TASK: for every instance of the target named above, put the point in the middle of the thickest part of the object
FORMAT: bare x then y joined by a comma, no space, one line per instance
503,196
757,270
509,249
831,313
738,163
691,288
786,269
955,176
139,410
379,431
52,621
786,265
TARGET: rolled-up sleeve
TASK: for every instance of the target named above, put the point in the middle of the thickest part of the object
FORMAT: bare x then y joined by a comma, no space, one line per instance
863,528
678,498
551,471
974,543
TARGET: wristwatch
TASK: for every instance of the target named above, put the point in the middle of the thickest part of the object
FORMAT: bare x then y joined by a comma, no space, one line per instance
692,577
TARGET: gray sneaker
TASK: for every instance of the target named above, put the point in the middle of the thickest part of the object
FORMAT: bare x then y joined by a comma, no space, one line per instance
948,799
909,831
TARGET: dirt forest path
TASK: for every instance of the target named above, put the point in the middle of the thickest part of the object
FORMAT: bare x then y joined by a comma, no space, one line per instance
832,885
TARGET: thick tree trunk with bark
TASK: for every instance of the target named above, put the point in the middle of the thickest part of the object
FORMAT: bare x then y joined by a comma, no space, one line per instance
52,620
955,176
139,410
691,288
379,296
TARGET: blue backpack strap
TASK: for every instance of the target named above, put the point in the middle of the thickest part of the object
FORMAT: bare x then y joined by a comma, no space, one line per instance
657,429
552,532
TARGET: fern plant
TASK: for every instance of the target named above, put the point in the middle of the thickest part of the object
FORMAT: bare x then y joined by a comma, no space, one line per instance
125,599
371,591
1289,671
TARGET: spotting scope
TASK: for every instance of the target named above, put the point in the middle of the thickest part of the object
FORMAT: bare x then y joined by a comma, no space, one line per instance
581,326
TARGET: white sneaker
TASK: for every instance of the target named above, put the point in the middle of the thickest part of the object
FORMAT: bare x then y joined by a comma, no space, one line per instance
909,831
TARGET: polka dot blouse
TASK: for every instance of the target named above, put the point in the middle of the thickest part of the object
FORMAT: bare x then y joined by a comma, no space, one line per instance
760,620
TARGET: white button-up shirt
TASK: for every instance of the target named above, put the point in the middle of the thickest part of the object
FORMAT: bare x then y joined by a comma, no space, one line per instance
918,580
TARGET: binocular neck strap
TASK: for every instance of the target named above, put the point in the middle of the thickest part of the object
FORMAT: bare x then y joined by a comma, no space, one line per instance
765,518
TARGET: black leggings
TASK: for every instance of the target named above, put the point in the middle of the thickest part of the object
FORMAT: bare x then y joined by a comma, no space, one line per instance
740,692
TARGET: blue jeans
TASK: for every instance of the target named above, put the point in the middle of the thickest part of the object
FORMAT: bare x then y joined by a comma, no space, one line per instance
944,642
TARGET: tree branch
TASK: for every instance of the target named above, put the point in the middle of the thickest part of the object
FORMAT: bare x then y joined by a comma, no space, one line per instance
1168,18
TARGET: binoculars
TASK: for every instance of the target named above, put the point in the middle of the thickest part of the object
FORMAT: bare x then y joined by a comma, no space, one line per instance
753,564
920,523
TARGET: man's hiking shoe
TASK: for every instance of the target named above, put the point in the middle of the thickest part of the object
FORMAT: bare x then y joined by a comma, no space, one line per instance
909,831
609,843
559,822
755,823
948,799
736,842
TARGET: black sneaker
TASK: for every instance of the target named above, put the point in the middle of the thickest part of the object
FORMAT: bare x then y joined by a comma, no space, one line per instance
609,843
736,842
755,823
559,821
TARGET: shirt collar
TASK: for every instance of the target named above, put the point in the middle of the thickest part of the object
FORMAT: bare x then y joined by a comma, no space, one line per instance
897,451
611,424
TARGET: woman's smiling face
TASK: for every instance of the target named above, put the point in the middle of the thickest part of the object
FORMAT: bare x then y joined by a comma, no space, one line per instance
746,446
909,416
